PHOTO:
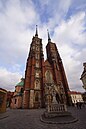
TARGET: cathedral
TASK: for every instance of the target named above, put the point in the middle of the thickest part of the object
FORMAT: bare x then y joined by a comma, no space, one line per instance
42,78
41,74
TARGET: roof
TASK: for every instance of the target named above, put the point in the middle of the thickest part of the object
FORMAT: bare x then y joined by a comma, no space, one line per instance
47,63
3,90
74,92
21,83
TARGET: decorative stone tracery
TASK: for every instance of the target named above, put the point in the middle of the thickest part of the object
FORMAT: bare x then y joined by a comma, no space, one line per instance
53,99
37,84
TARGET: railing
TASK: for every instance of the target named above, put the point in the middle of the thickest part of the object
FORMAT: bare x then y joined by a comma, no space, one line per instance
56,108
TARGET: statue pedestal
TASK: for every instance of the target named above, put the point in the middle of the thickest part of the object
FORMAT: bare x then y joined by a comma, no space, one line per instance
56,108
57,114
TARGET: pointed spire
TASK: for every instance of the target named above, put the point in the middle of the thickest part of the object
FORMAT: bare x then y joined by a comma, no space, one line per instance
49,39
36,31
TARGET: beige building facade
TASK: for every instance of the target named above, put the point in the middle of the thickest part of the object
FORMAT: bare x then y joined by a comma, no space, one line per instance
76,97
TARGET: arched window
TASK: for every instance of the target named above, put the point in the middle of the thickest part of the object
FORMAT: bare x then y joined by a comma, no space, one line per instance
37,64
36,96
37,56
37,84
48,76
15,101
37,73
37,42
37,48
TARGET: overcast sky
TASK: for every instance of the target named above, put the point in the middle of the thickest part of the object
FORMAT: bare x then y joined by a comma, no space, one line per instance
66,21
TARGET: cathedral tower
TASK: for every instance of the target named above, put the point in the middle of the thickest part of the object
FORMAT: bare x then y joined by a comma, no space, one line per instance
34,75
59,76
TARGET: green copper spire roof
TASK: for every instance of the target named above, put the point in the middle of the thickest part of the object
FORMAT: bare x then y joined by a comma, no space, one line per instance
21,83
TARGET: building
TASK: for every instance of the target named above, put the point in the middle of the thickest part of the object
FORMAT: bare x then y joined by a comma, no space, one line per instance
9,97
84,97
83,76
40,73
16,101
75,97
3,98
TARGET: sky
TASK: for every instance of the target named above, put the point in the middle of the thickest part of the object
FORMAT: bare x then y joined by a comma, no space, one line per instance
66,21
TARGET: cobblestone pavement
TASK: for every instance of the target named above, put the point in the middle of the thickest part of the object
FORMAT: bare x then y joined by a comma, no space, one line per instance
30,119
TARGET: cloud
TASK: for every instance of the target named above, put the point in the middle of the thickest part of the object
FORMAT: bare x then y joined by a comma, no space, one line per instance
8,79
67,28
16,30
72,30
51,14
70,37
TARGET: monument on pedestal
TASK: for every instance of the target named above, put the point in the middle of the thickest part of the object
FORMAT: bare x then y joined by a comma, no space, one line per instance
54,103
56,108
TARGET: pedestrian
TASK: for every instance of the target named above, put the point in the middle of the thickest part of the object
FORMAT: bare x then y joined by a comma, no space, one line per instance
80,105
77,104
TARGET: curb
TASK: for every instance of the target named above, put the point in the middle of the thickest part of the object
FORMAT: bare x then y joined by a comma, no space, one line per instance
64,122
3,116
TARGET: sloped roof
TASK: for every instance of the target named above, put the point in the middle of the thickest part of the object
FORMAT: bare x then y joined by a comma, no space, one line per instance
3,90
74,92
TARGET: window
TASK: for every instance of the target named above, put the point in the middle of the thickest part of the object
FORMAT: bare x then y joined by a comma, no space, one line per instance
37,84
15,101
37,64
37,74
37,96
1,100
33,47
37,42
57,67
48,76
37,48
37,56
21,90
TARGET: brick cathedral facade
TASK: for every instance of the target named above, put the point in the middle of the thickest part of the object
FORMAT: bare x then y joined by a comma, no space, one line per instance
40,73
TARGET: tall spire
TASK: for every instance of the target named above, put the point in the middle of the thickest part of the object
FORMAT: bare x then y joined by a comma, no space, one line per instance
49,39
36,31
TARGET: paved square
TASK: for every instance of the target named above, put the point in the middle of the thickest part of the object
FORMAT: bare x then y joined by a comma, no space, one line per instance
30,119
